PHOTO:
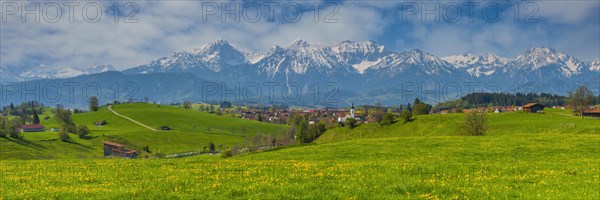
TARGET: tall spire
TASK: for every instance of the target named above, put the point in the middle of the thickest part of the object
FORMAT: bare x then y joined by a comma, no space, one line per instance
352,111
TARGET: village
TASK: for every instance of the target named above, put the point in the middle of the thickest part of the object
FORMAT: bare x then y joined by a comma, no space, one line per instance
314,121
367,114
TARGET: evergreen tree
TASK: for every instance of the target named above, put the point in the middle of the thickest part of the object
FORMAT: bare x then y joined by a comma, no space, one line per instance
211,147
36,118
93,103
417,101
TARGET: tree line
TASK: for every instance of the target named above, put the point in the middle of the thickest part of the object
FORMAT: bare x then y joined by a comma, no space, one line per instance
475,100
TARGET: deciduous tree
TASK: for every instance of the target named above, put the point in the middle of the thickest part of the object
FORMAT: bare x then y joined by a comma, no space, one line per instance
580,99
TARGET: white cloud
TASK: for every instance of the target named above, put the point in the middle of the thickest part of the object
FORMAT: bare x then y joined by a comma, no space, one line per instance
166,27
568,12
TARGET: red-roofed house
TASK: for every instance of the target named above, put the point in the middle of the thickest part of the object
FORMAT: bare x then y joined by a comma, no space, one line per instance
32,128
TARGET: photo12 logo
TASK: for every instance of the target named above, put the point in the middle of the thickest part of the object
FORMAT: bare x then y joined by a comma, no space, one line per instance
454,12
69,11
269,11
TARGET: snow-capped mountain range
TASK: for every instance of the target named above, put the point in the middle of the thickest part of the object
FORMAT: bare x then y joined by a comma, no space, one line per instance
348,56
44,73
359,57
355,67
366,62
478,65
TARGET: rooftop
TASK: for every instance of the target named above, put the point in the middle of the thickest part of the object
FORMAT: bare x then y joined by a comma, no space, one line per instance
531,105
32,126
113,144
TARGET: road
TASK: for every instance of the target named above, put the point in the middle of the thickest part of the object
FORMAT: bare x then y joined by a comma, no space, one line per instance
132,120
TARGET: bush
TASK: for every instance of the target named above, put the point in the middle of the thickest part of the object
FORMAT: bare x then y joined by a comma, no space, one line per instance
226,154
16,135
244,150
388,119
63,135
158,154
475,124
70,128
350,122
82,131
406,116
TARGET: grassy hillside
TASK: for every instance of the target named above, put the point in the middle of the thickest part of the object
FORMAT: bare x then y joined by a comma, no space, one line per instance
192,131
541,165
554,155
554,121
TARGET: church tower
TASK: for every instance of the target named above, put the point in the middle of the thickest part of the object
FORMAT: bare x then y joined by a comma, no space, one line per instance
352,111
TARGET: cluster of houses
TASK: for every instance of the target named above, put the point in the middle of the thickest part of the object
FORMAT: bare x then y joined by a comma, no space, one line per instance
281,116
528,108
340,115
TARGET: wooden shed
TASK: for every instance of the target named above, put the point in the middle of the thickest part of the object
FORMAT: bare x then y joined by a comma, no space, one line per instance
533,107
592,112
118,150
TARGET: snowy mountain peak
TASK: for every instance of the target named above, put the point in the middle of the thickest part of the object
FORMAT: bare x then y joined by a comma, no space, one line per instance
298,44
540,57
541,50
477,65
537,58
419,56
364,48
416,51
219,45
214,46
47,73
462,61
595,65
100,69
275,50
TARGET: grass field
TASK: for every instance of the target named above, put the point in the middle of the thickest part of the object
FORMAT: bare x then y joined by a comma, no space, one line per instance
192,131
516,166
533,156
553,121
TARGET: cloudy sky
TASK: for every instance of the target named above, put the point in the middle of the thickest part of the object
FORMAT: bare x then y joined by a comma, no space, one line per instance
88,33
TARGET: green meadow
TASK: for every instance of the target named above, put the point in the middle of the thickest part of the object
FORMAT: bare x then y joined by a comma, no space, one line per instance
193,130
532,156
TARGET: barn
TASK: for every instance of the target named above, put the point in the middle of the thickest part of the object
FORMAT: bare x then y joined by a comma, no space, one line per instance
32,128
533,107
118,150
593,112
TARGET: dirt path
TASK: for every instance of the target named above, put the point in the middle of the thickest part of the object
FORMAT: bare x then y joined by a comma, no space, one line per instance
132,120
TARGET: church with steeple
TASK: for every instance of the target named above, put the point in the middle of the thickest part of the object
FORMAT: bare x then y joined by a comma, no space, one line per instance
351,115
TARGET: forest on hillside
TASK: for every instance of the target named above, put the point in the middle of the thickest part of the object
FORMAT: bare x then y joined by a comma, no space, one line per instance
474,100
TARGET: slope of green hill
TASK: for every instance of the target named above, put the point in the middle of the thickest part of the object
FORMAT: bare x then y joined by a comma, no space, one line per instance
193,131
539,165
553,121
